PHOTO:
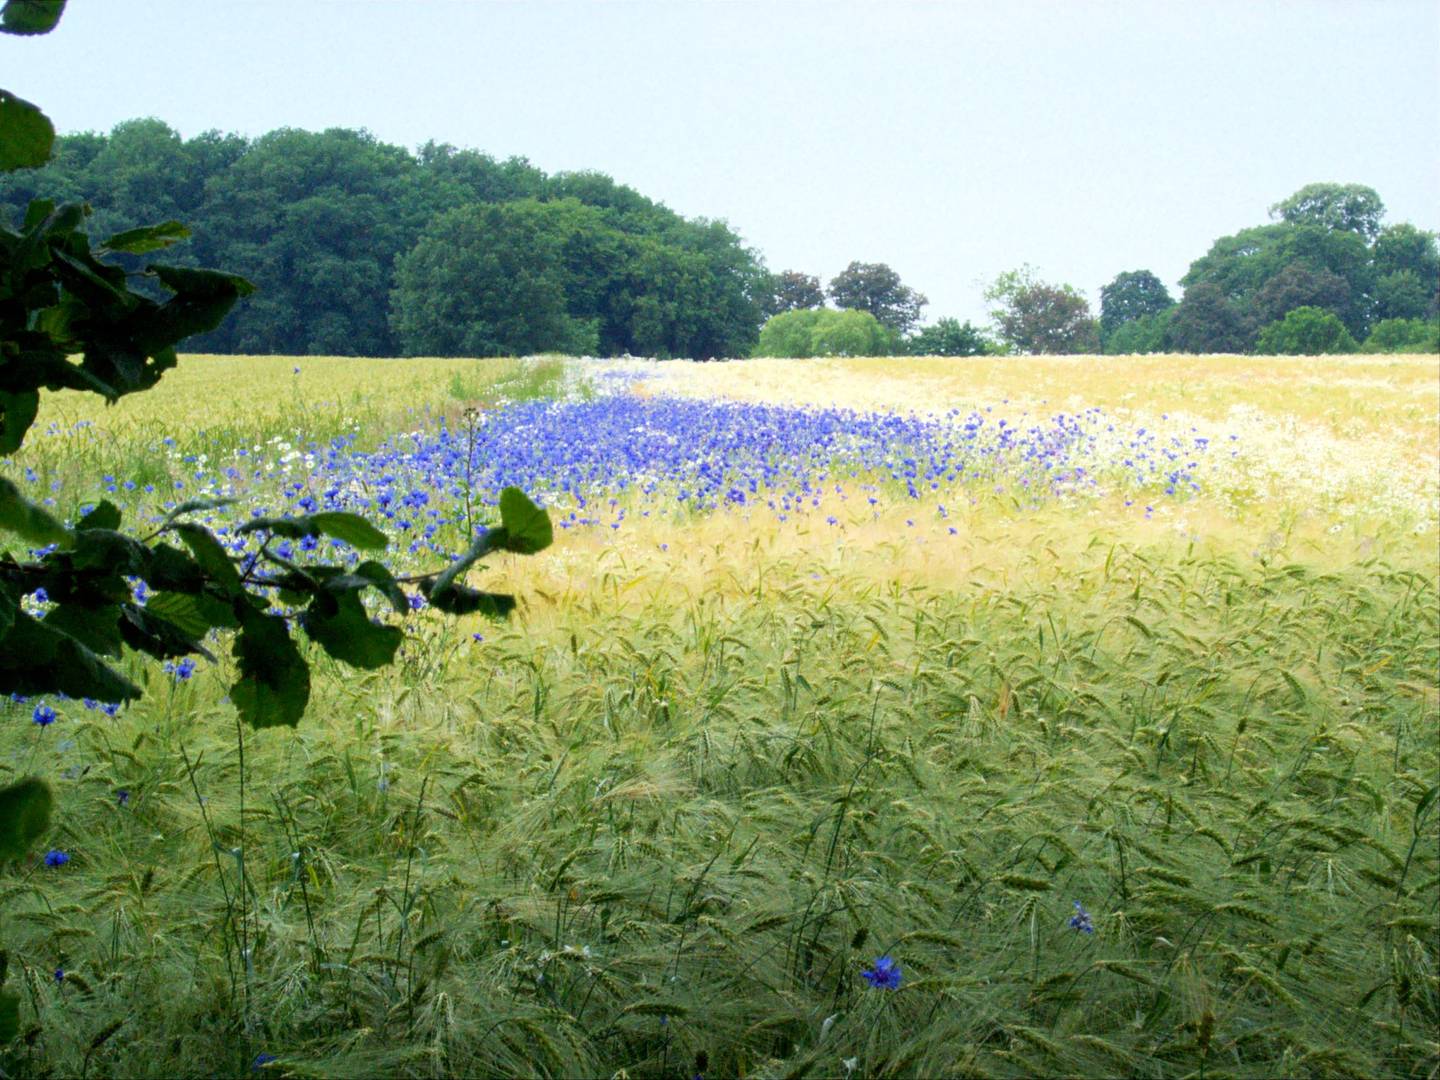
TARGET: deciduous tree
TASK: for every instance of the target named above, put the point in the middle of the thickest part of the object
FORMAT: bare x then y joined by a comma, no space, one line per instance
1343,207
876,288
1037,317
1132,295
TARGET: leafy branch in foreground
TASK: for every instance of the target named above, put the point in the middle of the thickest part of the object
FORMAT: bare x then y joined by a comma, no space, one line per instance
61,298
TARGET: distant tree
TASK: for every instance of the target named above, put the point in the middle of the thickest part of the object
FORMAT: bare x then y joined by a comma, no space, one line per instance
492,281
949,337
1407,273
1306,331
876,288
791,290
1241,265
312,219
1038,317
824,332
1340,207
1297,285
1132,295
1404,336
1147,334
1207,321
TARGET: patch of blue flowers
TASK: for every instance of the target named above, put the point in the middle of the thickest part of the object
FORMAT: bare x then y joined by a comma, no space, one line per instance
596,463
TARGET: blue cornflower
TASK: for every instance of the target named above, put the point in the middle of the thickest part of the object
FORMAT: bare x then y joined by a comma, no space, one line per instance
122,797
59,975
43,715
40,595
110,708
416,601
55,857
182,670
885,975
262,1059
1081,920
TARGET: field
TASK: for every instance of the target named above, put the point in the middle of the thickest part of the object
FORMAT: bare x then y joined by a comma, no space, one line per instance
1099,694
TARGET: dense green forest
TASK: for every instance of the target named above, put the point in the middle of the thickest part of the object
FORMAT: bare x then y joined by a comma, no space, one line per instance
361,248
358,247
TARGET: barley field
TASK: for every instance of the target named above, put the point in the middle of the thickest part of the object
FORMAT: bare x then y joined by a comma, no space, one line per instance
868,718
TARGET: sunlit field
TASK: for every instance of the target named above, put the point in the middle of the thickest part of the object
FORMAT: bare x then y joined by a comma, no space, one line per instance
1098,694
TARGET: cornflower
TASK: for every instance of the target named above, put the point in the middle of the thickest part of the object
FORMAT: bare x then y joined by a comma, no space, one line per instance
1081,920
884,975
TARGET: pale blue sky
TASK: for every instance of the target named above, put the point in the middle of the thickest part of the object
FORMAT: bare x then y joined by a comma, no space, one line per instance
952,141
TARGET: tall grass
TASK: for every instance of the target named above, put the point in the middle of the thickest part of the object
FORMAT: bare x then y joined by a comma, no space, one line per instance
666,816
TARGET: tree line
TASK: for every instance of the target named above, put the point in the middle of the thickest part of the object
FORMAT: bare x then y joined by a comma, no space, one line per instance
1326,275
359,247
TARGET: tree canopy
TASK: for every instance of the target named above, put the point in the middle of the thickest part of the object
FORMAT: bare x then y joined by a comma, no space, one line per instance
877,289
1337,207
825,332
1132,295
1034,316
321,222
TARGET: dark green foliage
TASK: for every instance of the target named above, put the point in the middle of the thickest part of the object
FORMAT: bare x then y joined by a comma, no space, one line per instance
25,808
1404,336
1306,331
1134,294
1297,285
791,290
1037,317
320,222
825,332
875,288
1241,265
1326,251
1147,334
950,337
493,281
1206,321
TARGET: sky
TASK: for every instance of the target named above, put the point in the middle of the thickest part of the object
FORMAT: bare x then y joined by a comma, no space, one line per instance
952,141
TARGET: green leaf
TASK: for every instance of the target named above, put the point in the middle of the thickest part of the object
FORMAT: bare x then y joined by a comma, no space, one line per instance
194,613
211,556
145,631
351,528
9,1016
17,413
104,516
188,281
463,600
191,506
447,578
527,526
343,629
106,549
171,569
274,684
202,300
382,579
38,659
147,238
24,816
30,17
97,628
19,515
